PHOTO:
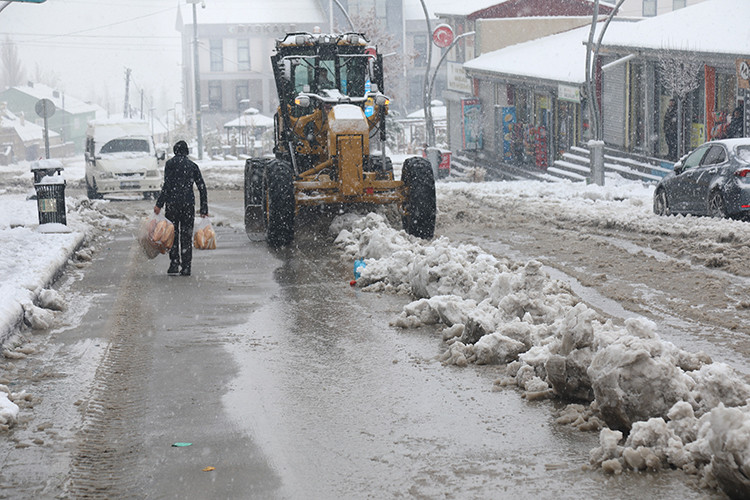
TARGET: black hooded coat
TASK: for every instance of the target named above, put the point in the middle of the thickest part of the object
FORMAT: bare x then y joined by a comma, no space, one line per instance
180,173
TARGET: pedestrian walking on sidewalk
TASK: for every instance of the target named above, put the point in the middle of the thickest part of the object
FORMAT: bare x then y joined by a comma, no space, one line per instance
670,130
180,173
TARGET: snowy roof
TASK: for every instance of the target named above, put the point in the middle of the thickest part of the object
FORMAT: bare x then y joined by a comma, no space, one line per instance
559,58
468,7
714,26
71,104
452,8
439,112
26,130
261,12
250,119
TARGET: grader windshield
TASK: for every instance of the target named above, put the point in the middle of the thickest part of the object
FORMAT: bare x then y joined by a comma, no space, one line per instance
345,73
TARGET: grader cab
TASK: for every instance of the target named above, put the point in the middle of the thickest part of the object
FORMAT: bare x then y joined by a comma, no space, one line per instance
330,134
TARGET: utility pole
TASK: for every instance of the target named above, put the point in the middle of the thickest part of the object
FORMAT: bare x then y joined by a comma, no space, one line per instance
429,127
596,144
198,121
126,107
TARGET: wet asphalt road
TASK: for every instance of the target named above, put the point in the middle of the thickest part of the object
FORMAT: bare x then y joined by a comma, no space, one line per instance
285,380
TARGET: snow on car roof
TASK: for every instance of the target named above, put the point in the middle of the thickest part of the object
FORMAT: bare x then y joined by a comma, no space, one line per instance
113,128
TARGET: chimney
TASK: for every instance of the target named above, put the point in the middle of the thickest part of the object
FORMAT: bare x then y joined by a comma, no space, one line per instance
22,119
55,94
30,84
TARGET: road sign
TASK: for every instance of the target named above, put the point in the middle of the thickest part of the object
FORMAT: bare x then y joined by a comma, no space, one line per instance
743,73
442,36
44,108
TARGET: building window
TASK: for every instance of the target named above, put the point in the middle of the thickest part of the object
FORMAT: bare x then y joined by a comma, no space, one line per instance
214,95
241,93
678,4
365,8
649,8
420,51
217,56
243,55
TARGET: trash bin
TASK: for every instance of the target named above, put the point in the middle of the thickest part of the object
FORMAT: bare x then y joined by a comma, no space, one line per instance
42,168
50,200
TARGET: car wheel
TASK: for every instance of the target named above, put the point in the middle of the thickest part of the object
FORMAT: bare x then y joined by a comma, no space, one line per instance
661,206
716,206
91,191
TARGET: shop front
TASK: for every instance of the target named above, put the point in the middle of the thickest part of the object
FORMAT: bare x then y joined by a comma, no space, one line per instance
536,124
638,119
524,126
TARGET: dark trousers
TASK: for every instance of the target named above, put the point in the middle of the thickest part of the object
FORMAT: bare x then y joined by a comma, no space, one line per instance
672,150
183,217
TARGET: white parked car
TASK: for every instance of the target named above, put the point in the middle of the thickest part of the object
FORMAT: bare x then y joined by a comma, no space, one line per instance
121,159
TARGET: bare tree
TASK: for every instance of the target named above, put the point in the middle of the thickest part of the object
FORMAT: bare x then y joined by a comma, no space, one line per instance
679,74
13,73
47,77
389,46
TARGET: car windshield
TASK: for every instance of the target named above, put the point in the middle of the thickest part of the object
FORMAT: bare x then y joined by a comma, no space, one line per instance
125,146
743,153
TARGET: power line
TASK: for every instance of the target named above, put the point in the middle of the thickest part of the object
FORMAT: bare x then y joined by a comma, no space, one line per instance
101,36
103,26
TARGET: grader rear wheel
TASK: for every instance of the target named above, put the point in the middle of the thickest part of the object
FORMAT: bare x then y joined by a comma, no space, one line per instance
279,206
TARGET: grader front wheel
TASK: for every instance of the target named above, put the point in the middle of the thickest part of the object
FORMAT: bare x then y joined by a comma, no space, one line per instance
419,206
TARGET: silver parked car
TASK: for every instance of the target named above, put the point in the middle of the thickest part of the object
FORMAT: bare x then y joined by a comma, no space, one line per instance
713,180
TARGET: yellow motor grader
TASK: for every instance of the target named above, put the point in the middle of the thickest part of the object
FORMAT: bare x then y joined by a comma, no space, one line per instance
330,133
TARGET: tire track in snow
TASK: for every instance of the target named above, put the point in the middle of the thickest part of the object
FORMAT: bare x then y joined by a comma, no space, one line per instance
107,448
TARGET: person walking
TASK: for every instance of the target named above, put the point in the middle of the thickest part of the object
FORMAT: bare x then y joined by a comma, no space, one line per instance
735,128
670,130
180,173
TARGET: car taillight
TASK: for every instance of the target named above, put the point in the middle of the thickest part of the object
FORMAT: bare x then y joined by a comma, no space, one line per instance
743,172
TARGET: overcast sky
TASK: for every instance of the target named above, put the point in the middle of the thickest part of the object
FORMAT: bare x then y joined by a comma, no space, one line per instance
87,44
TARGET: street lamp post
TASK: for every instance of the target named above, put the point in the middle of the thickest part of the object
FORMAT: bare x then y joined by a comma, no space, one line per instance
202,108
197,78
169,143
178,105
430,130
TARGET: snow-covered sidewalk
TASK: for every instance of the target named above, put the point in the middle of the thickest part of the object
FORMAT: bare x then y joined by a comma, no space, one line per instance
31,257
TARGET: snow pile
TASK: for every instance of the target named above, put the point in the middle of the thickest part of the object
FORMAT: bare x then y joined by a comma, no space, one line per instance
8,409
31,256
677,408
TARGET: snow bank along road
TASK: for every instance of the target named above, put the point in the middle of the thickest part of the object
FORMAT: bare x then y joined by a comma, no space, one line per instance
678,283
